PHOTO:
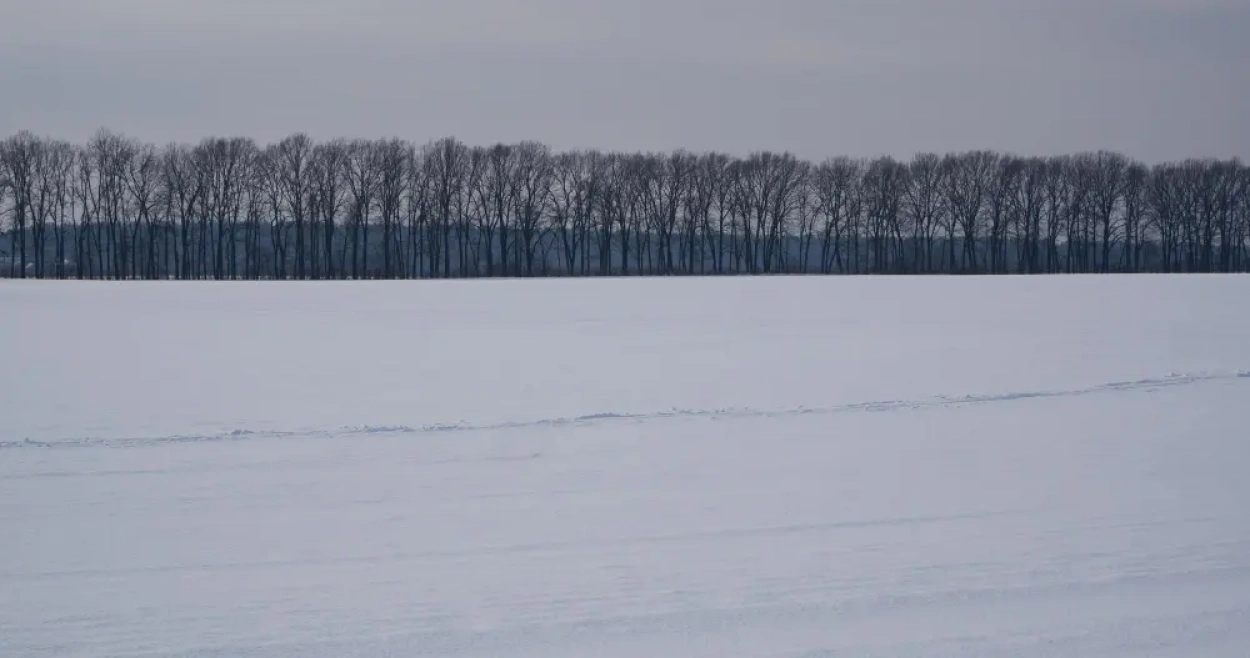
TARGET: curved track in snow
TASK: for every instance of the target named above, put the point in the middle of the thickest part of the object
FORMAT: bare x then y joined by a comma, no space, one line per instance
1149,384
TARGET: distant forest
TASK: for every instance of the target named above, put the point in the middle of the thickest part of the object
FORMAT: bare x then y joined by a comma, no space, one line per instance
229,208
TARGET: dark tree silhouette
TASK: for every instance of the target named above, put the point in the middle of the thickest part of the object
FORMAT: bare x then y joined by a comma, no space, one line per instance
227,208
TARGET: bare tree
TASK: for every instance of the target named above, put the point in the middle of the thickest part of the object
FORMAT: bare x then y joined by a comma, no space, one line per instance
496,194
362,176
6,191
61,160
662,194
1135,216
142,179
837,191
394,159
419,197
576,178
884,186
293,162
1029,204
1107,176
22,158
328,197
968,178
922,201
706,173
1001,210
445,164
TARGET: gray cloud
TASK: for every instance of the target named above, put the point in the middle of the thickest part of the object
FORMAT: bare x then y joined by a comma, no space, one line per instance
1158,79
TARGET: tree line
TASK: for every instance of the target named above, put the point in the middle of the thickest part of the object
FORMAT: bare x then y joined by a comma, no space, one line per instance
230,208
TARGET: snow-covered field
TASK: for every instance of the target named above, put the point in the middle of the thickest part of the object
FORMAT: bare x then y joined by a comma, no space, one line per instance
784,467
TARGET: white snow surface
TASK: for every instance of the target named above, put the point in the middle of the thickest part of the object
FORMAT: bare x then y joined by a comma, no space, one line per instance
774,467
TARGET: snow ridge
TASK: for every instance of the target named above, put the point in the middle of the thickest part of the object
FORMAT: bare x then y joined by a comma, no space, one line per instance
1146,385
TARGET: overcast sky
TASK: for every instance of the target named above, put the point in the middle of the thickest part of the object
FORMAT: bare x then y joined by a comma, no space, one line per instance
1156,79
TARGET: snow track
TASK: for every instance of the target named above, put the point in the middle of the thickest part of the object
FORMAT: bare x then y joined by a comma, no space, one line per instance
1147,385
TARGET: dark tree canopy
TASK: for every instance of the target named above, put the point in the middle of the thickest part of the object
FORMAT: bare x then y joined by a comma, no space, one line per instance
229,208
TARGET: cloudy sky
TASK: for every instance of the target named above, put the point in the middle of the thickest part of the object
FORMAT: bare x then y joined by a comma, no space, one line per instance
1156,79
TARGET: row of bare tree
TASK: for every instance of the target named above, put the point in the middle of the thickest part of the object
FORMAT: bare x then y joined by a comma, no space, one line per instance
230,208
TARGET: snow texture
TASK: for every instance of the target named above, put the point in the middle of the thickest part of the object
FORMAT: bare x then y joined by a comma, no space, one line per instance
778,467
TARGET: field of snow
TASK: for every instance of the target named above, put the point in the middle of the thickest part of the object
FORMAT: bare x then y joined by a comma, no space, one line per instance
773,467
